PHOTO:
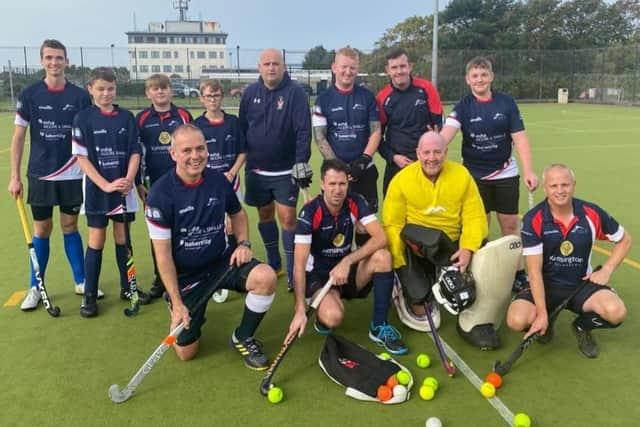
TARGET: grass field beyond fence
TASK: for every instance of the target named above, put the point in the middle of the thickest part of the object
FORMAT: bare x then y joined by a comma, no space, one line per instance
56,372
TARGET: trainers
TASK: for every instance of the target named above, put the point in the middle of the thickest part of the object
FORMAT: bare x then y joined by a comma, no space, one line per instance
586,343
143,297
251,351
157,288
321,328
89,308
520,282
80,290
31,300
387,336
483,336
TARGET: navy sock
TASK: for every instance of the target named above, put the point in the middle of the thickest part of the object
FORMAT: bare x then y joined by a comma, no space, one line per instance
269,233
92,266
121,259
73,249
382,287
41,246
590,320
255,307
287,244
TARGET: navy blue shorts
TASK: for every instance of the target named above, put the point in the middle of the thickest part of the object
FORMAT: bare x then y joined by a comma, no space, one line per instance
500,195
101,221
316,280
260,190
193,289
554,295
43,195
367,187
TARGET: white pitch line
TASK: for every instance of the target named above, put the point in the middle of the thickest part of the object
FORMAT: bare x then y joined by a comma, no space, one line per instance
475,380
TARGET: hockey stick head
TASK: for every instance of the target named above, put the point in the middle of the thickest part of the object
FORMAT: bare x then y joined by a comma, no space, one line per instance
54,311
130,312
266,385
117,395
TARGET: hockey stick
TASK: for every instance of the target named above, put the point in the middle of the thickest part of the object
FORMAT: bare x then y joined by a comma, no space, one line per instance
44,295
131,268
530,200
446,362
119,395
265,384
503,368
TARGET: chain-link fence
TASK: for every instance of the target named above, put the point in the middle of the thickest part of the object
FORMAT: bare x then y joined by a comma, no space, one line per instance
609,75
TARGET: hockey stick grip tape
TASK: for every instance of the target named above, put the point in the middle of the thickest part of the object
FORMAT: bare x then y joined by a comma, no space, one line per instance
23,220
323,291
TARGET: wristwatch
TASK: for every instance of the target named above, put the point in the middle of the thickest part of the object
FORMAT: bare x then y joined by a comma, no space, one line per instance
246,243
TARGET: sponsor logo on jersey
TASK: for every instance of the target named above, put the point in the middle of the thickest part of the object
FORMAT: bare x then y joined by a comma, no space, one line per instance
152,213
173,123
566,248
333,110
45,107
499,116
280,103
420,102
551,232
164,138
257,100
338,240
100,132
212,201
357,106
434,210
187,209
122,131
151,125
475,119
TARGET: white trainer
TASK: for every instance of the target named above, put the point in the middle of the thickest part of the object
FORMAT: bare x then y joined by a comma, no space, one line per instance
80,290
31,300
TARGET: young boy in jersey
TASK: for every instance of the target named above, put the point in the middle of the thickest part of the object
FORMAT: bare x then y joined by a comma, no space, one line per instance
225,142
492,127
155,125
47,109
105,142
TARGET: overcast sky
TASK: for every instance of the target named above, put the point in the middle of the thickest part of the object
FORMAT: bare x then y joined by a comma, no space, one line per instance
251,24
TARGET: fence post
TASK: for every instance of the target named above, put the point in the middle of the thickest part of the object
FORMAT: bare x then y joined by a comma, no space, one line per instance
573,65
602,76
24,50
635,74
13,101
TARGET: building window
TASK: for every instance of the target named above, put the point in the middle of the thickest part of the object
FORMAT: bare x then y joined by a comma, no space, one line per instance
192,54
143,54
202,54
178,69
162,39
213,54
194,40
155,54
138,39
144,68
166,68
206,39
222,67
166,54
221,55
134,69
175,54
132,54
171,40
155,68
183,40
150,39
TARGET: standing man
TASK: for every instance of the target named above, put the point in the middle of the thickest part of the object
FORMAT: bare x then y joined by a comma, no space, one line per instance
558,237
491,125
409,106
47,108
346,126
275,120
185,215
324,236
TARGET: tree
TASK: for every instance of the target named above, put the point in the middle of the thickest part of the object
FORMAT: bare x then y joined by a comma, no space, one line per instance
318,58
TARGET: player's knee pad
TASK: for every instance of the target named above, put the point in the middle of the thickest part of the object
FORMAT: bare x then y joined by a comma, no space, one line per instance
493,268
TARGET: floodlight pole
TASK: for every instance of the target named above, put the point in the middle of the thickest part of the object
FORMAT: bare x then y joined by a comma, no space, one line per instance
434,48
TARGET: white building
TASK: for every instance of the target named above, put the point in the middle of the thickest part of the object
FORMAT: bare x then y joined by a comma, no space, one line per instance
177,48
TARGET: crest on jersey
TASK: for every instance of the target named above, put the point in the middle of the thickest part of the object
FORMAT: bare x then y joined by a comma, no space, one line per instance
566,248
338,240
164,138
280,102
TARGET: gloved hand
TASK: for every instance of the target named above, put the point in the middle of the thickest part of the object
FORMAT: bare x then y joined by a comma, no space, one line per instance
358,166
301,174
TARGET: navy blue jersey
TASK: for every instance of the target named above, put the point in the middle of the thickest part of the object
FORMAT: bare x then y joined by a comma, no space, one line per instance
347,116
192,216
566,249
224,141
276,125
49,113
108,139
330,236
487,147
405,115
155,136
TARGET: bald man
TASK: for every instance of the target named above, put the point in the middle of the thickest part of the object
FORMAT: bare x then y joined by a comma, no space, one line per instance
276,122
442,199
